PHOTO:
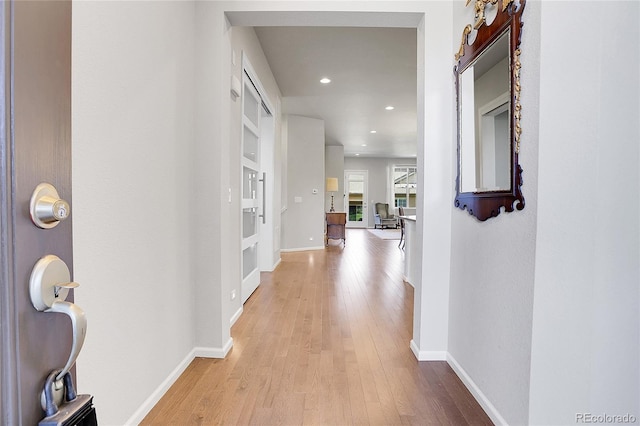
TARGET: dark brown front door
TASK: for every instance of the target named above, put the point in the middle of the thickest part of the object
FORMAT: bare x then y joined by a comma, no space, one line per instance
35,147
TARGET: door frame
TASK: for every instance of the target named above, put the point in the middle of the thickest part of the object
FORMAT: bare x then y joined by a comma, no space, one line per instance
434,124
9,386
365,194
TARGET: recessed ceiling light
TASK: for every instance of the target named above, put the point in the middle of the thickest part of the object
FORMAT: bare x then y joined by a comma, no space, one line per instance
325,80
357,155
389,108
364,144
373,131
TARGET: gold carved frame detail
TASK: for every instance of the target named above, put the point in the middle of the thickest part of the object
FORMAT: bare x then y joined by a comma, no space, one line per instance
516,90
481,19
480,6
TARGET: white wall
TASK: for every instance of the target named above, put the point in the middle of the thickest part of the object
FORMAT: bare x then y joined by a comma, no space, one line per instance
133,121
303,222
380,172
586,324
544,302
435,183
492,266
211,212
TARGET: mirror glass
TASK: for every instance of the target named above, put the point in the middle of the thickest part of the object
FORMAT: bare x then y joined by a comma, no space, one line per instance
485,125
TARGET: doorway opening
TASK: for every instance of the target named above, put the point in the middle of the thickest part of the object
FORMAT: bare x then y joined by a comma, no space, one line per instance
356,184
434,122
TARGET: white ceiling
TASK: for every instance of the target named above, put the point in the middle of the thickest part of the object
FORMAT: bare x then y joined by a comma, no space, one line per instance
369,68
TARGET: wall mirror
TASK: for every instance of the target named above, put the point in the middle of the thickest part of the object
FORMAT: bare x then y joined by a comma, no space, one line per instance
487,75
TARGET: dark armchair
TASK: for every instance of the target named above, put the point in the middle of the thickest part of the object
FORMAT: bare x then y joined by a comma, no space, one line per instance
382,217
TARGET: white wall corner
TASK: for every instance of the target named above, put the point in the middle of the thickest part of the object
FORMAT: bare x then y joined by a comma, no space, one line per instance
157,394
408,281
427,355
205,352
275,265
482,399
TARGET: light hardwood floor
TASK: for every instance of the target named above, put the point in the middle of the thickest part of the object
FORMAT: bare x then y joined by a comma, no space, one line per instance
323,341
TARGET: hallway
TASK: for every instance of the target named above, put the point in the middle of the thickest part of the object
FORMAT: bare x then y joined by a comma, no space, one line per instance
324,340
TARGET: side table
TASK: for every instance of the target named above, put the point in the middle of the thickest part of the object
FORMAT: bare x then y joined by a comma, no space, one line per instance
335,223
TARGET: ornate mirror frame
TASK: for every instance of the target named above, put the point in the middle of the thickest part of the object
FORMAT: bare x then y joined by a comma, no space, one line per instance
484,205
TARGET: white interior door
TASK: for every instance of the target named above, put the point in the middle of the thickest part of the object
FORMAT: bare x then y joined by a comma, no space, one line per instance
355,184
268,243
251,179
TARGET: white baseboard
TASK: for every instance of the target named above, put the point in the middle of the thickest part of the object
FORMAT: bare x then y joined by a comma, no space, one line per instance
406,280
484,402
205,352
276,264
235,316
273,267
156,395
427,355
214,352
302,249
153,399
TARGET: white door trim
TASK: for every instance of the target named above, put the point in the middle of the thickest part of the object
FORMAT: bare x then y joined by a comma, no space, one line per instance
364,223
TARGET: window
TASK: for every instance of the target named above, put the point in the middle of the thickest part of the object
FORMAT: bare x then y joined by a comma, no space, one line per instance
404,186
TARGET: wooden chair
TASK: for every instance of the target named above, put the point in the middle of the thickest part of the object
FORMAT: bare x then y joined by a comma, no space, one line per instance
402,240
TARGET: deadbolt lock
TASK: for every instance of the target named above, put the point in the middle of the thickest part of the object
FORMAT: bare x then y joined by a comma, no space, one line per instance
47,208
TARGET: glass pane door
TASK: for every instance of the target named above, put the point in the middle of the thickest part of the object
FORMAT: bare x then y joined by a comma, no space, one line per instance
356,198
251,111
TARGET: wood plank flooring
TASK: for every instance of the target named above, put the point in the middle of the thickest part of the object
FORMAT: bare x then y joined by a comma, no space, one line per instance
324,340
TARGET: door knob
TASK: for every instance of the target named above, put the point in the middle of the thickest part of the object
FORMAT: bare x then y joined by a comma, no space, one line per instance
47,208
49,286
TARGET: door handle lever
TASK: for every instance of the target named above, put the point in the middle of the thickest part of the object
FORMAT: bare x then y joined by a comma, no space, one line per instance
49,286
78,327
264,198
